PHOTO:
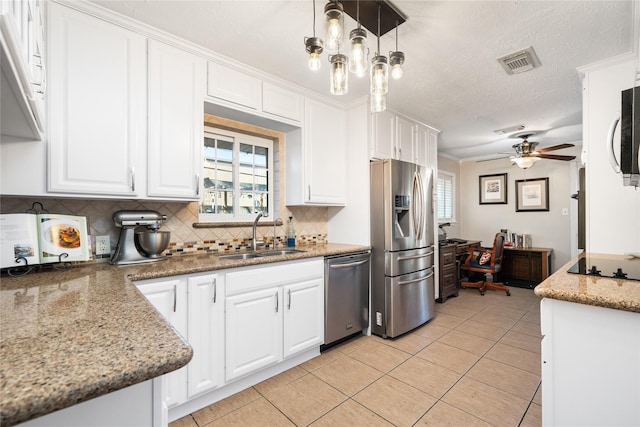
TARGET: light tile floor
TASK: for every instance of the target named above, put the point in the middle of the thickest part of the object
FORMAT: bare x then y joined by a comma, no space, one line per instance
477,363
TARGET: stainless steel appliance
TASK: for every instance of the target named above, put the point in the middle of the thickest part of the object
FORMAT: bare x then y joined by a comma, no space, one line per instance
402,240
346,307
629,164
135,246
628,269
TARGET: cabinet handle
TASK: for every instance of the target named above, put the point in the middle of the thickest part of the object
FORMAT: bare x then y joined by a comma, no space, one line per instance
277,302
175,297
289,304
309,193
197,184
215,290
133,180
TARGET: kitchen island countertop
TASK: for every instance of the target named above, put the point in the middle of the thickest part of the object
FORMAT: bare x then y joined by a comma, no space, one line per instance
67,336
619,294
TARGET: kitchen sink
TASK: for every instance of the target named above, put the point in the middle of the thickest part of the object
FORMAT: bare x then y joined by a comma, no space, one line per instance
281,252
239,256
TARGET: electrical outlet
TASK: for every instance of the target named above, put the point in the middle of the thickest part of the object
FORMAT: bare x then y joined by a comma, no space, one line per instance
103,245
378,318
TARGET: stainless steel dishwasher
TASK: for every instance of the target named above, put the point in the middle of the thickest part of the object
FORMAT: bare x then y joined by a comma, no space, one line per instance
346,304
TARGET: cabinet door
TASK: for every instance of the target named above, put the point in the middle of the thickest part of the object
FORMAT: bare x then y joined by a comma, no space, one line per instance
169,297
97,88
325,154
303,316
421,147
282,102
405,136
233,86
383,130
206,333
253,337
176,109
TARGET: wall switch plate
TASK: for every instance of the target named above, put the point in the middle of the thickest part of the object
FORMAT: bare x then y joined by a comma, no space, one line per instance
103,245
565,211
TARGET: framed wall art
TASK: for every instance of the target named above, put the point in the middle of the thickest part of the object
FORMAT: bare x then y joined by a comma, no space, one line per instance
532,195
493,189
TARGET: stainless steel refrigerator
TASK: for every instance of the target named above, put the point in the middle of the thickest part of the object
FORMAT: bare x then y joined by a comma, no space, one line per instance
402,241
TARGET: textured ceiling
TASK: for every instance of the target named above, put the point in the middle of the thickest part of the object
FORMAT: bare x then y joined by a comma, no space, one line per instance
452,80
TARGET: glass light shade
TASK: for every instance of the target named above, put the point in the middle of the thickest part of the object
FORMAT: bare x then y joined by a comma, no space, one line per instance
379,75
339,74
358,56
313,46
396,59
334,24
524,162
378,103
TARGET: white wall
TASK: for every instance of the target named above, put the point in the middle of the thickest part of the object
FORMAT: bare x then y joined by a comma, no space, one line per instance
551,229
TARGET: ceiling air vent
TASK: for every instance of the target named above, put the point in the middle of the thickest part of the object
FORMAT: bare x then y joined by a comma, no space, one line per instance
520,61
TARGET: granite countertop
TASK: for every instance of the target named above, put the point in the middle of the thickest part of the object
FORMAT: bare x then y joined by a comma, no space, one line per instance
619,294
67,336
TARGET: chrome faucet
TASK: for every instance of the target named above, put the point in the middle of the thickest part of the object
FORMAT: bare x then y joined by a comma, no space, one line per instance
255,225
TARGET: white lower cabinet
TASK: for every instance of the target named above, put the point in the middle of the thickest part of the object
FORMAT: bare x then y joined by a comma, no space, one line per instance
193,305
244,325
272,313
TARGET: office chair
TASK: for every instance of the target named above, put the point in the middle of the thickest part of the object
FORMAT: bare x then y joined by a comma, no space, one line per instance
487,261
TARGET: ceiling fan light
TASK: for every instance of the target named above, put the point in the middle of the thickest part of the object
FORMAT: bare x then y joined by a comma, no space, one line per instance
314,47
524,162
334,24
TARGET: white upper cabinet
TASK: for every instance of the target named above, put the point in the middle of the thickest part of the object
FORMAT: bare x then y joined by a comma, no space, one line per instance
426,146
383,135
282,102
176,109
97,88
233,86
405,137
317,158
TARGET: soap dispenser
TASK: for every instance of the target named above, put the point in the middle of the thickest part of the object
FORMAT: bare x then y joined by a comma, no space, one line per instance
291,233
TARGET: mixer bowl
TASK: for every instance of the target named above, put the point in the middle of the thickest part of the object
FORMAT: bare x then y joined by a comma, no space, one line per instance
152,243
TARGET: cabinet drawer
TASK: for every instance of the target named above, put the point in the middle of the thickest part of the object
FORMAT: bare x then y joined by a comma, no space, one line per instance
282,273
448,257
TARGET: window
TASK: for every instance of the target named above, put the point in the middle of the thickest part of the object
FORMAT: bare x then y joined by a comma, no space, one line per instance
445,187
238,176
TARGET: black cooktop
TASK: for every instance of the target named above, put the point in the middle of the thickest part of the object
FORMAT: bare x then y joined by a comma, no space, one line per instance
616,268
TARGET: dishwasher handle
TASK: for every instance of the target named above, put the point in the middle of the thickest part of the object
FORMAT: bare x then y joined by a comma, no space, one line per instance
348,264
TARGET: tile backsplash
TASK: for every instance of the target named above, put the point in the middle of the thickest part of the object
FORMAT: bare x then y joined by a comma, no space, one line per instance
310,222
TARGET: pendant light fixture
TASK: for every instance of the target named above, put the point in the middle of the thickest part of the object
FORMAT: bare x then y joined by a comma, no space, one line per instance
334,23
379,77
313,45
396,59
339,74
358,57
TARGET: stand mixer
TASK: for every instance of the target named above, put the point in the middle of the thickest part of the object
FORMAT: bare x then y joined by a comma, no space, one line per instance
139,246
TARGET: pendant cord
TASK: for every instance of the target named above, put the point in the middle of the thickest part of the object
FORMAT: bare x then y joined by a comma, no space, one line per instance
396,36
378,28
314,18
358,13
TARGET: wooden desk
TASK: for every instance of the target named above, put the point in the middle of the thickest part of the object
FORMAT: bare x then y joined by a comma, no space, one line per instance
451,255
525,267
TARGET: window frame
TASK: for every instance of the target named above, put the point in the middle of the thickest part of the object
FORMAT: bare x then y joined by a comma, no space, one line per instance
450,177
238,138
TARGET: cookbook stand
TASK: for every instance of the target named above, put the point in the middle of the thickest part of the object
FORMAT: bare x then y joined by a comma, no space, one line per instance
21,270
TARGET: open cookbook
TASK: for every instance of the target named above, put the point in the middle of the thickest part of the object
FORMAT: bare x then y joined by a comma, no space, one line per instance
42,239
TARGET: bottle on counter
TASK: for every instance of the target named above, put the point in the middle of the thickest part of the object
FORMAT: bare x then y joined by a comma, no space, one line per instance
291,233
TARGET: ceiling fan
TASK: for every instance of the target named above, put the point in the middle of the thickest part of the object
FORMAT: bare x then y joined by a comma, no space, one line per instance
527,155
